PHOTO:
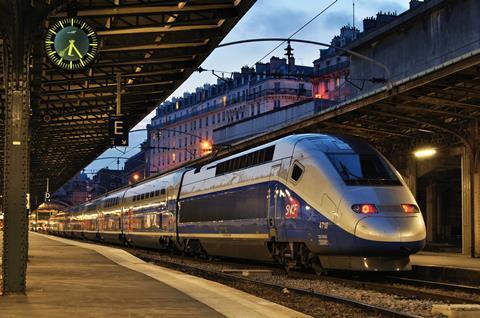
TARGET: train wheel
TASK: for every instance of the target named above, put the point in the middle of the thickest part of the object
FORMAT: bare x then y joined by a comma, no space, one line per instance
283,254
195,248
317,267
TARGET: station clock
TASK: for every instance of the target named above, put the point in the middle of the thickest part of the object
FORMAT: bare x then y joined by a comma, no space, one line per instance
71,44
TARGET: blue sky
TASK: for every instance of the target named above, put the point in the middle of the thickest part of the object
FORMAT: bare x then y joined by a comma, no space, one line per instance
269,18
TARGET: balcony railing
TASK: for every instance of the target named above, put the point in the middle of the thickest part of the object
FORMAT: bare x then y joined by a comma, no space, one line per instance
332,68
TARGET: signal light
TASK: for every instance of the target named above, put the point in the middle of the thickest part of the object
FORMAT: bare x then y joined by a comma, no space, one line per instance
410,208
364,208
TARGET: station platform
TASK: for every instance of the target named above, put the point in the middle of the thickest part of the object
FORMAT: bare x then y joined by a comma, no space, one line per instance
447,260
68,278
447,266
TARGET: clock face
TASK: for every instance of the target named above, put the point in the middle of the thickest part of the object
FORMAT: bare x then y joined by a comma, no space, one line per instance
71,44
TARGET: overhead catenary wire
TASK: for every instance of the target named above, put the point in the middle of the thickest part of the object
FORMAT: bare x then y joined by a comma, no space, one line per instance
297,31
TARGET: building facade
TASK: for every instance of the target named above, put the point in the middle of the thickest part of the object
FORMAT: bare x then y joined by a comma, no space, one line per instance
182,129
75,191
106,180
332,68
135,167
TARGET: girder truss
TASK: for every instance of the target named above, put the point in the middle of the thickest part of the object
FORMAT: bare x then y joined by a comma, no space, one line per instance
440,109
154,44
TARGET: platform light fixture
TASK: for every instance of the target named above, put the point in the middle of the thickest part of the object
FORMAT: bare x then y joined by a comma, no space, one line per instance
425,153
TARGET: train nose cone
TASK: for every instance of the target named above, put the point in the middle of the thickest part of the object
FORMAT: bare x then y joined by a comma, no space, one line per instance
384,229
402,234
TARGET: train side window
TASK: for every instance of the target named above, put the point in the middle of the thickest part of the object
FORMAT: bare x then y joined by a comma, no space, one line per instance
297,172
142,196
163,191
250,160
152,194
157,193
220,168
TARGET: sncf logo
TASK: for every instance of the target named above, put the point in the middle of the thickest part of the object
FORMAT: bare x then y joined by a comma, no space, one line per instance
292,207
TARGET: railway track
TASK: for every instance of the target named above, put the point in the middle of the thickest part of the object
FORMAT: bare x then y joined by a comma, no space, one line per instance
384,284
368,308
399,290
434,284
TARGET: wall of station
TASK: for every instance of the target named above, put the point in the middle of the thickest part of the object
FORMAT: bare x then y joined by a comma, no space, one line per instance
418,40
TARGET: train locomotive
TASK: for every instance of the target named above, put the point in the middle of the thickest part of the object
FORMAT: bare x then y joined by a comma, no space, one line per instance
309,200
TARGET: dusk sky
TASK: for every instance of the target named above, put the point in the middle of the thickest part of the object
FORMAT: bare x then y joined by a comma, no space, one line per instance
268,18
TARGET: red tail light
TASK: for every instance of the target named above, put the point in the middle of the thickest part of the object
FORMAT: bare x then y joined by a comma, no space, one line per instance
364,208
410,208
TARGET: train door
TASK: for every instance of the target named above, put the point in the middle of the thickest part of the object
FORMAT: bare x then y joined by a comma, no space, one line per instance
275,217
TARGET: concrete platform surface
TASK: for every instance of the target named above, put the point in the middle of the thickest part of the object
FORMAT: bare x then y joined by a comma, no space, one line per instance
447,260
72,279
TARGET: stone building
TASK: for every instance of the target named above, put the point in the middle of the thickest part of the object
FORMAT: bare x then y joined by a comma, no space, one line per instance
183,127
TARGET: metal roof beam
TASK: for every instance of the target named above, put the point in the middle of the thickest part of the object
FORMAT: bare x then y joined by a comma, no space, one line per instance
112,76
154,46
446,102
138,10
157,29
185,61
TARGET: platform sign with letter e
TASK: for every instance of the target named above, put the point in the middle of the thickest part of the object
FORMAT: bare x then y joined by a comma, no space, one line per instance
117,132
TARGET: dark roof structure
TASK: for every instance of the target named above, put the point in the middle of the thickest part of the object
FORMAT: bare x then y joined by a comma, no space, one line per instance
154,46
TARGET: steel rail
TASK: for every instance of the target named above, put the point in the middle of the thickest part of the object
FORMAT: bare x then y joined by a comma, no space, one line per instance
323,296
387,287
435,284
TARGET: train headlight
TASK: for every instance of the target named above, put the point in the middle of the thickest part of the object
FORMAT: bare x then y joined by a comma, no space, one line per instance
410,208
365,208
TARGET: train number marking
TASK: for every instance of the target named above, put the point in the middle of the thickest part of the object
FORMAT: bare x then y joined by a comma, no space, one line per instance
322,239
323,225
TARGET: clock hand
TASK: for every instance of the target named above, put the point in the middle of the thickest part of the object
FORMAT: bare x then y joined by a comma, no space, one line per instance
76,51
70,47
62,52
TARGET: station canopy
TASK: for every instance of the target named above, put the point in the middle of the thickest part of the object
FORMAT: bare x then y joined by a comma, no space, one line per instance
439,108
154,44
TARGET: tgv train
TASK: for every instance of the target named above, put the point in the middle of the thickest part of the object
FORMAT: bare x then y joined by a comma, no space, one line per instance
311,200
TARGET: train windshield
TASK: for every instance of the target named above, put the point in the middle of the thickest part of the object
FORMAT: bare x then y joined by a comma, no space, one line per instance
363,169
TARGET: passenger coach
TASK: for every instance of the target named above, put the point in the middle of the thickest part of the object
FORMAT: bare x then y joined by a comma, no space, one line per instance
310,200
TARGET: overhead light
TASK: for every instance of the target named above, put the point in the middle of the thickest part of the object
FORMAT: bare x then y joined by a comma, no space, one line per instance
425,152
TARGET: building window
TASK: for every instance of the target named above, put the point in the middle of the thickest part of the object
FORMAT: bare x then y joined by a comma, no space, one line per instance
258,108
174,157
200,123
277,87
